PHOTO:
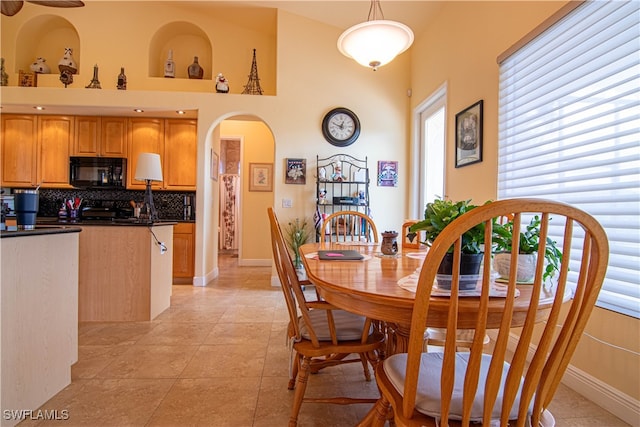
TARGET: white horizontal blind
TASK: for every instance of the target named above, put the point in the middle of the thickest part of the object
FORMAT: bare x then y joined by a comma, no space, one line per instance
569,130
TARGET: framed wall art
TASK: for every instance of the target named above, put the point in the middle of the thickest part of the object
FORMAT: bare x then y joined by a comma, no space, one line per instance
260,176
26,79
469,135
387,173
215,165
296,171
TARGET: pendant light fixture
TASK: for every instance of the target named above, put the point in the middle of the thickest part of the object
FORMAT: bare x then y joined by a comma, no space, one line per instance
376,42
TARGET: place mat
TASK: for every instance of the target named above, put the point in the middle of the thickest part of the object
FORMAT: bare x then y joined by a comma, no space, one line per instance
416,255
410,283
381,255
314,255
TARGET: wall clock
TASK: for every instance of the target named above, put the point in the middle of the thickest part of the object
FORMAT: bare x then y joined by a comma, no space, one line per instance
341,127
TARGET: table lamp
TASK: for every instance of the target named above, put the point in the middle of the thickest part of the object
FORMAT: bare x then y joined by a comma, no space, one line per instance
149,169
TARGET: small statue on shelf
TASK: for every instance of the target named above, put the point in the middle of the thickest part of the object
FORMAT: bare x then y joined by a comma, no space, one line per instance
40,66
67,66
322,174
94,83
322,197
222,84
4,78
337,173
169,66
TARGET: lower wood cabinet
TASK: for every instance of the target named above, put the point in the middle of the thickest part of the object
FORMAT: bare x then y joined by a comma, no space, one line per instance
183,252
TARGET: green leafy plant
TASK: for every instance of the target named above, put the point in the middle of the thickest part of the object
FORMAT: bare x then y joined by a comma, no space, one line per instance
297,233
440,213
529,243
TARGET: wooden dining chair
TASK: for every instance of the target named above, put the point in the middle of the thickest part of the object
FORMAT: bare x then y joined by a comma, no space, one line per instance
511,384
416,242
345,226
319,334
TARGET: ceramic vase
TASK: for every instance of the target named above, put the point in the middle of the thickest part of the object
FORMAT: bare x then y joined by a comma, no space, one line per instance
195,71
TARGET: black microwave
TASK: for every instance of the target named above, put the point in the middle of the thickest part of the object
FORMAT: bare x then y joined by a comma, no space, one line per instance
97,172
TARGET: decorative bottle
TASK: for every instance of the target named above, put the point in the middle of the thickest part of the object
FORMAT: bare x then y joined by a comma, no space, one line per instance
195,70
169,66
122,80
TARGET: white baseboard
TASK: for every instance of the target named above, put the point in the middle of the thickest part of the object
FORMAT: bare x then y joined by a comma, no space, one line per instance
613,400
203,280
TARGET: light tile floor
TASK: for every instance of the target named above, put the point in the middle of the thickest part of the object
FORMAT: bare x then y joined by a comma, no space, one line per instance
217,357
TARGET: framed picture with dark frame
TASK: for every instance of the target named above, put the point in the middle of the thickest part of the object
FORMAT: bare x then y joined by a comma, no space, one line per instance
469,135
260,176
296,172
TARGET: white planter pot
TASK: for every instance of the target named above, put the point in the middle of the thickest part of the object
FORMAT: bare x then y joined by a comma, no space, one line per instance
526,266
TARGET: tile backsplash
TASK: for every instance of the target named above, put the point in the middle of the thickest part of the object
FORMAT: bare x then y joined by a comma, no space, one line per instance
169,204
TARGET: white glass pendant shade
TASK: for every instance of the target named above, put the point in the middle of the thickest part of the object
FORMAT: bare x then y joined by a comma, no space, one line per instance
375,43
149,167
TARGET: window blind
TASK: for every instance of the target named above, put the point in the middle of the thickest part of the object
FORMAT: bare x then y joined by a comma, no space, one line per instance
569,130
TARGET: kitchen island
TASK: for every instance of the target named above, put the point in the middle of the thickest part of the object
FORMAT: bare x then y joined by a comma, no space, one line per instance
39,318
125,271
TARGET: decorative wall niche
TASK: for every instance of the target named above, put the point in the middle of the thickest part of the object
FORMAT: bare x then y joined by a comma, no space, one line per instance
186,40
46,36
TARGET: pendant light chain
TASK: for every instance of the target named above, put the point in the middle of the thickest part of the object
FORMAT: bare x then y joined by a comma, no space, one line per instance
374,9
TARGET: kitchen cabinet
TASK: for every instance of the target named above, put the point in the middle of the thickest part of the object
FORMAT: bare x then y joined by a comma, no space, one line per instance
180,166
183,252
55,141
19,150
144,136
100,136
35,150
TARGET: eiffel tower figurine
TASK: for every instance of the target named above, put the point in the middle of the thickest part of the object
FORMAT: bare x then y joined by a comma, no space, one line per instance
253,85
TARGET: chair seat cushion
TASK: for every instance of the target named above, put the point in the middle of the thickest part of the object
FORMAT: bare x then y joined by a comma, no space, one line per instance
428,393
348,325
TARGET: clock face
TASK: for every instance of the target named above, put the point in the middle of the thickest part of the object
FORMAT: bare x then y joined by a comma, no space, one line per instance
341,127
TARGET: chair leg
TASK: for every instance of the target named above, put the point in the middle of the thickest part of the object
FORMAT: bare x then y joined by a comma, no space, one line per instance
365,366
294,372
381,412
301,386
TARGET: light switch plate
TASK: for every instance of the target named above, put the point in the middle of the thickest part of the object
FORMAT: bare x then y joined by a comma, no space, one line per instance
287,203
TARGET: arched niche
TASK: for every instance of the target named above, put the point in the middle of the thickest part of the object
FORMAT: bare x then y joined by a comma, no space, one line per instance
46,36
186,40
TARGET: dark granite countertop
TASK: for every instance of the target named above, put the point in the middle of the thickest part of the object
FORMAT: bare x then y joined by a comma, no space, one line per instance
105,222
40,230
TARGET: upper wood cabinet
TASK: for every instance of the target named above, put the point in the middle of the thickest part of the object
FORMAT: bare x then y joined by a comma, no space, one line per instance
55,142
180,155
19,150
144,136
100,136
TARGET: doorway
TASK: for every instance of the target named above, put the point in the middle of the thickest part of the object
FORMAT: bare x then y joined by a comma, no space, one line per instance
230,156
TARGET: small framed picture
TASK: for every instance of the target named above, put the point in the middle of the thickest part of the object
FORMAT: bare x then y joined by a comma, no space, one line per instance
260,176
296,172
387,173
27,79
215,165
469,135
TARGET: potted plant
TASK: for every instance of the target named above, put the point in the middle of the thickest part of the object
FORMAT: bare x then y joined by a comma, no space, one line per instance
437,215
529,242
297,233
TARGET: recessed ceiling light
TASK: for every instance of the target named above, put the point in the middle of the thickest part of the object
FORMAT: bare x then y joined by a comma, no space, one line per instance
138,110
39,108
181,112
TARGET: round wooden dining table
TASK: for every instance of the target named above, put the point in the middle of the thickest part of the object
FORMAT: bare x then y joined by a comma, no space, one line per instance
369,287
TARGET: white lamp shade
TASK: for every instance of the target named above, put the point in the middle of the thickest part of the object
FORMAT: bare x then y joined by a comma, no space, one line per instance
375,43
149,167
